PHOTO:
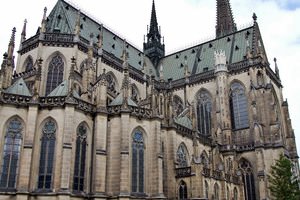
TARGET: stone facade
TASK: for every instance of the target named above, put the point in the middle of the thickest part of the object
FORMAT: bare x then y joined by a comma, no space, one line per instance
107,129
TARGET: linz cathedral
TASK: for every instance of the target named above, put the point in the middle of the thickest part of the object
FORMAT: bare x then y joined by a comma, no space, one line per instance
86,115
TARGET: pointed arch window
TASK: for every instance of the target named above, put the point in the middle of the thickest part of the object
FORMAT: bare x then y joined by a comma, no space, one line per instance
235,194
28,64
182,156
137,182
11,154
111,87
238,106
248,180
134,93
204,107
47,155
55,73
80,158
178,105
182,190
216,192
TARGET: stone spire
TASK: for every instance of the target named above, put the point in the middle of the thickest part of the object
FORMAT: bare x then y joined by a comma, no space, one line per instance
23,34
225,21
43,27
11,45
153,48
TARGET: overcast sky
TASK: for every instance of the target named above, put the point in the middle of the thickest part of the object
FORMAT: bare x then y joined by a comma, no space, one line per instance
183,23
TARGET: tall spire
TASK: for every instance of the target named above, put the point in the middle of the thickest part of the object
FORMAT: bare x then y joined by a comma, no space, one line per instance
11,44
225,21
153,48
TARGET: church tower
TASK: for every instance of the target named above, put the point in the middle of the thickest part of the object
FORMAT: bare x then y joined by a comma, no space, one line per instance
154,48
225,22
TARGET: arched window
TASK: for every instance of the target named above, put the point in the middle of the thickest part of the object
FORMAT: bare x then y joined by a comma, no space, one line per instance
182,156
55,73
204,107
248,179
260,78
204,159
28,64
47,155
235,194
206,189
177,105
11,154
216,192
137,183
227,193
111,87
238,106
182,190
79,166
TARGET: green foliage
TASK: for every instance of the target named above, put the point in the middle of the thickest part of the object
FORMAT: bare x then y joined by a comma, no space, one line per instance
282,185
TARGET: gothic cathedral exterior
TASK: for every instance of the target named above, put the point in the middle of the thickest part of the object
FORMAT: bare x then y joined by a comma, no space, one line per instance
86,115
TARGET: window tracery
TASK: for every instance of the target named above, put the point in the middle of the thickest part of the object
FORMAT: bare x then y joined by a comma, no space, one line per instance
28,64
55,73
137,183
248,179
204,107
238,106
80,157
11,154
216,192
178,105
181,156
47,155
182,190
111,84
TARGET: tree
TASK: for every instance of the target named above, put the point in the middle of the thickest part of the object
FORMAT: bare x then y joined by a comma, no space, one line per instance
283,185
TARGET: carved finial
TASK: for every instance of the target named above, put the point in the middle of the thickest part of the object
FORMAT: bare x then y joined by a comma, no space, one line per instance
12,38
100,39
161,72
276,68
43,28
124,54
24,29
77,24
45,13
254,17
186,67
11,44
220,58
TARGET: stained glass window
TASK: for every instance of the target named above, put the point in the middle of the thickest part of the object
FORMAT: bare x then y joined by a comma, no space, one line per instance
204,107
182,190
181,156
55,73
80,157
238,106
111,87
137,183
28,64
177,105
47,155
11,154
248,179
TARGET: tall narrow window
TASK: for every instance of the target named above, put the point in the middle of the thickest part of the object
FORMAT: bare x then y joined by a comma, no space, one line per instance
238,107
248,179
182,190
206,191
216,192
204,113
235,194
28,64
181,156
47,155
11,154
137,183
79,168
55,73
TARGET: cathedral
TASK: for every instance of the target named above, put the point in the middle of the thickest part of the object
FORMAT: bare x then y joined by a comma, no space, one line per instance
84,114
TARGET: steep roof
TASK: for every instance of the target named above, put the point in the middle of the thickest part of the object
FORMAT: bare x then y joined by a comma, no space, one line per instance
19,88
62,90
200,58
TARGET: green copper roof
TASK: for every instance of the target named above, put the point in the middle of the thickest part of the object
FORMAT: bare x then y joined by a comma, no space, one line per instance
184,121
19,88
200,58
119,101
61,90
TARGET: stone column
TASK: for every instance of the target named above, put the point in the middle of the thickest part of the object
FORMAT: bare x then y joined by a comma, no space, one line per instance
27,153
